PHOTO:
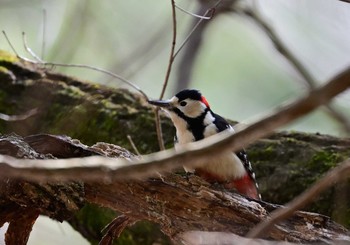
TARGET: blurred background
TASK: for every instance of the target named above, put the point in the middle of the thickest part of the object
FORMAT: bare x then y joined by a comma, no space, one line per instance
232,58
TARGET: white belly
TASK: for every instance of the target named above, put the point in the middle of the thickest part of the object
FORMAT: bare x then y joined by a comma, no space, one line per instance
226,166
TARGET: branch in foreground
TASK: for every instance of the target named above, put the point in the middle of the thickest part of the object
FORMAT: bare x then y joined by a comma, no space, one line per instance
194,204
167,75
295,63
24,116
334,176
97,168
178,204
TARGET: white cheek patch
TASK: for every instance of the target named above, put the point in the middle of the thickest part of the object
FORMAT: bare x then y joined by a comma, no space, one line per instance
193,109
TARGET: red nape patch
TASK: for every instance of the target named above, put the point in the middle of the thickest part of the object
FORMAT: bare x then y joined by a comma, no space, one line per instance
204,100
244,186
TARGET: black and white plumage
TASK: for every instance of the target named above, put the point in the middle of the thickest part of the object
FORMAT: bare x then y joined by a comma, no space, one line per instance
194,120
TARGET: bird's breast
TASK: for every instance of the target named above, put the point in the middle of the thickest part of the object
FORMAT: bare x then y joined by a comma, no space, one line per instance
226,166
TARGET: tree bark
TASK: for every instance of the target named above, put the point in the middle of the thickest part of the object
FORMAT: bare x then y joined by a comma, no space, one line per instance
286,164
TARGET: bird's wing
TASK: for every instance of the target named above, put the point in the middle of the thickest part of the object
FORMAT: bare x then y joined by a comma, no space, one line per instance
222,125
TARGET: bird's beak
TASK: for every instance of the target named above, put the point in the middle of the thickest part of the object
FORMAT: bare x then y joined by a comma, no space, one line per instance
161,103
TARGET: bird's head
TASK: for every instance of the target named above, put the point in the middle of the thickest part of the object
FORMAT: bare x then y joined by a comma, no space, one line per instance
189,102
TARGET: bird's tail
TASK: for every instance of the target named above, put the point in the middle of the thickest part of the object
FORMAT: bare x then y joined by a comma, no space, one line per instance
245,186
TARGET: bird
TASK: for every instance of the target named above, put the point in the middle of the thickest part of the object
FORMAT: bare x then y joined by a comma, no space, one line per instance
194,120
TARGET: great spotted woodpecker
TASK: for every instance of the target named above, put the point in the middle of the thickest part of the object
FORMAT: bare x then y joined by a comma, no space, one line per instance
194,120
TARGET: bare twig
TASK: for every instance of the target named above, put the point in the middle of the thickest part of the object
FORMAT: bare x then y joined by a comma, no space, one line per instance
21,117
94,68
133,145
209,13
159,130
204,17
172,50
14,50
294,61
114,229
192,44
100,168
29,50
166,80
280,46
334,176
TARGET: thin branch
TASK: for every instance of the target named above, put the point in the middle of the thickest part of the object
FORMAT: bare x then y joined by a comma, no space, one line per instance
334,176
98,168
209,13
114,229
166,80
94,68
208,16
159,130
20,117
172,51
192,44
173,55
204,17
133,145
280,46
14,50
29,50
293,60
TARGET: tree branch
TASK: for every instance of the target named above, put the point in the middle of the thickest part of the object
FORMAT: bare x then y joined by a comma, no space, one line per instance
334,176
191,197
97,168
294,61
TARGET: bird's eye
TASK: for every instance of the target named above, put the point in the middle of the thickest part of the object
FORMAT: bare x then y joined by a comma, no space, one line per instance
183,103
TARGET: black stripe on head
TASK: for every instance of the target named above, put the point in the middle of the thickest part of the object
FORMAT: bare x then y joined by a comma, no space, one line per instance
189,94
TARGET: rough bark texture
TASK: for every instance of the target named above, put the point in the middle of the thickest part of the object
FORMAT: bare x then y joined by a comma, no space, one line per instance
286,164
177,203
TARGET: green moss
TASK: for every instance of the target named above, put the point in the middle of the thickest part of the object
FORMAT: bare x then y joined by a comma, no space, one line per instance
3,69
6,106
8,57
72,92
323,160
93,218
